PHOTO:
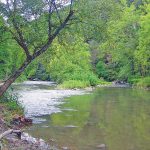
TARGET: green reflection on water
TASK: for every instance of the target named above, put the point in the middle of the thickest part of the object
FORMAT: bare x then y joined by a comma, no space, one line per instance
119,118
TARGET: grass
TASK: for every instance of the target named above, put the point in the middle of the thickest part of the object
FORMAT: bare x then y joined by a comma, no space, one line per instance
103,82
9,107
7,113
71,84
144,83
134,80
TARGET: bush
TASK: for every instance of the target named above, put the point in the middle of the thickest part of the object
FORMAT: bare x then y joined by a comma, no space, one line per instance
74,84
10,99
134,80
93,80
144,82
79,79
103,82
101,69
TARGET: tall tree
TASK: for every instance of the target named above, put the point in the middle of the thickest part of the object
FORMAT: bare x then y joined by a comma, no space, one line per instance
33,25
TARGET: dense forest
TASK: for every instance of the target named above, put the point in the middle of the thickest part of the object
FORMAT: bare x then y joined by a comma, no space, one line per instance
107,40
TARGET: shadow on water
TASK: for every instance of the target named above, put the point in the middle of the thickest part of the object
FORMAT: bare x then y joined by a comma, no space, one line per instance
117,118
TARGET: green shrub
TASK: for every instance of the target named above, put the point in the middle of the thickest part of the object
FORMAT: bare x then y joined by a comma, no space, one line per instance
134,79
101,69
103,82
79,79
10,99
74,84
144,82
93,79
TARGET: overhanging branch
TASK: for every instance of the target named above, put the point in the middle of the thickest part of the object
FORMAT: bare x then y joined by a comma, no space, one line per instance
45,47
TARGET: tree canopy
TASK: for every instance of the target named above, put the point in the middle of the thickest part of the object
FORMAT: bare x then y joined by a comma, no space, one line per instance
105,40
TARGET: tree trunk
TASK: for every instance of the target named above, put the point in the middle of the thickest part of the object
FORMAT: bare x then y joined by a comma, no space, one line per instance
12,78
17,73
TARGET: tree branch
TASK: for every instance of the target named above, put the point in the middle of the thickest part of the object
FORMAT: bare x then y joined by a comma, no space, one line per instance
45,47
21,43
58,15
20,40
49,18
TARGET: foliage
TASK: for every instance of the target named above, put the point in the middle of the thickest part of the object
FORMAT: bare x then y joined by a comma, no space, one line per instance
9,99
101,69
74,84
10,58
134,80
144,82
125,52
143,50
70,60
39,73
108,40
33,26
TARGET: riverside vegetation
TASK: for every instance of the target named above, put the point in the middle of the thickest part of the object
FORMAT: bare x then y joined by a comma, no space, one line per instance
100,42
106,40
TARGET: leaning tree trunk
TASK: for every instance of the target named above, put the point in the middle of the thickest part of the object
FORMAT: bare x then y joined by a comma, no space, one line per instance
30,58
12,78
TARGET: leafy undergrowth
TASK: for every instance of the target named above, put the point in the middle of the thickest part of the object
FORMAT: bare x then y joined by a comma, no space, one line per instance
144,83
74,84
140,82
103,82
9,107
134,80
81,84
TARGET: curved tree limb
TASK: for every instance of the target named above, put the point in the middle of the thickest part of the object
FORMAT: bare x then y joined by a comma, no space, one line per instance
44,48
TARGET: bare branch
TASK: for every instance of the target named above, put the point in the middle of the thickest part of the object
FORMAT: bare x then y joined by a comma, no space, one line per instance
45,47
63,24
71,4
7,4
58,15
49,18
20,39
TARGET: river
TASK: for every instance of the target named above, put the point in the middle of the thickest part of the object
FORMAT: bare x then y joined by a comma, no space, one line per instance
104,119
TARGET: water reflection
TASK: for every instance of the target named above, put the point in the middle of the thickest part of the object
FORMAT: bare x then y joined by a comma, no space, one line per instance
118,118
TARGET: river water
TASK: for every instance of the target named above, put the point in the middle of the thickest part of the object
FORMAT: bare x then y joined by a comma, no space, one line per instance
104,119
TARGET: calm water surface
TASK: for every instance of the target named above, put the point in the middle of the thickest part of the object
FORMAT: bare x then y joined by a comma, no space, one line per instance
116,117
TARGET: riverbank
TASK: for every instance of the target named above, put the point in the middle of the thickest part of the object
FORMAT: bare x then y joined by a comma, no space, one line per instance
88,121
17,139
141,83
12,142
37,90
